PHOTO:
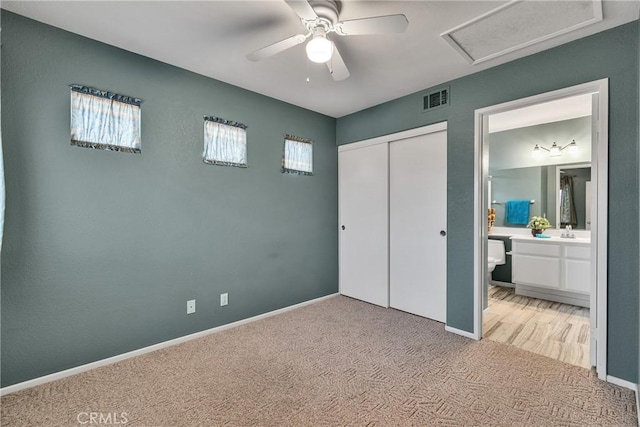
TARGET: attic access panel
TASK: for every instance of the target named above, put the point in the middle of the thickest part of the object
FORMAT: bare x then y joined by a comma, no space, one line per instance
519,24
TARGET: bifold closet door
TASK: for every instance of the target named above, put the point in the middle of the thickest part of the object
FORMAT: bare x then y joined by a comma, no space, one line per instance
364,224
417,225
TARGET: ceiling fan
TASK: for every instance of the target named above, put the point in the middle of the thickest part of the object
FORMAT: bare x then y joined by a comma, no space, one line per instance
320,18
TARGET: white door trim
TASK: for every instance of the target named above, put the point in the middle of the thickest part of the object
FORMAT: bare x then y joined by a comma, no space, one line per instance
437,127
600,153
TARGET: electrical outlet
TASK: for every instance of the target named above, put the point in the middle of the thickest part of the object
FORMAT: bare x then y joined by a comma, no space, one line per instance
224,299
191,306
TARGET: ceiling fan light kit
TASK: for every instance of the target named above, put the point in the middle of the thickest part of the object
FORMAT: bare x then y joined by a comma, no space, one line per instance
320,18
319,48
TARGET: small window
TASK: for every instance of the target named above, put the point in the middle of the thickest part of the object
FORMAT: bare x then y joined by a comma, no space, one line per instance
225,142
104,120
297,156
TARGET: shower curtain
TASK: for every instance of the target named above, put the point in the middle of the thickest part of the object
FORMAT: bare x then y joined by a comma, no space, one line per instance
567,203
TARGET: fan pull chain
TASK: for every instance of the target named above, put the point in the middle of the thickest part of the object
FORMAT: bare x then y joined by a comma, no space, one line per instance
333,52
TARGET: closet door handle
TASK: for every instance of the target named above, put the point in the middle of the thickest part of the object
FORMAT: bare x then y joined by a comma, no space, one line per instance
343,227
443,233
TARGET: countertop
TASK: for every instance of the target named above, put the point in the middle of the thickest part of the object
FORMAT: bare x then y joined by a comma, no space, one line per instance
553,240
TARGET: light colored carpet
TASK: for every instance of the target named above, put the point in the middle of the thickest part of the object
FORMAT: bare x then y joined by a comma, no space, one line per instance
337,362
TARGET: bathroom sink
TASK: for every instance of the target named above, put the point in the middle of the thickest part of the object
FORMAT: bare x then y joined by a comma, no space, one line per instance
556,239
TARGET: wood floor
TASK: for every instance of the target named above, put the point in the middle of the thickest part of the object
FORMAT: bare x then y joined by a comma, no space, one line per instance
552,329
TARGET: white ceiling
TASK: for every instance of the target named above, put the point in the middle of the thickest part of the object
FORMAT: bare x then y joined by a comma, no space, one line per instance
212,38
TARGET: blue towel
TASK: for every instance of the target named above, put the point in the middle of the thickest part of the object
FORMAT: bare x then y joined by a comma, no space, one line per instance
518,212
543,236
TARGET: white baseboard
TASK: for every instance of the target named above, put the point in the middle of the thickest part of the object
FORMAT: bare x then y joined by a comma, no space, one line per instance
108,361
638,407
630,386
485,311
460,332
622,383
502,284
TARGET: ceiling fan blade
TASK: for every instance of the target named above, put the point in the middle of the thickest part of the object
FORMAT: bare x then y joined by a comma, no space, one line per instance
377,25
277,47
303,9
337,67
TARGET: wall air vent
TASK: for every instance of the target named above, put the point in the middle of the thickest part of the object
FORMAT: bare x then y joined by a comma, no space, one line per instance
436,99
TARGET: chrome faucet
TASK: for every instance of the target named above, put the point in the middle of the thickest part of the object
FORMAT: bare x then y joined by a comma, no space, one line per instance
568,234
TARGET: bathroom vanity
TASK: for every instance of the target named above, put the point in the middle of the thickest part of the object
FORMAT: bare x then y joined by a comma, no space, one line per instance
555,269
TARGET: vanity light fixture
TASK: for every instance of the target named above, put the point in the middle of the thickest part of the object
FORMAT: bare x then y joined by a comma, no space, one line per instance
555,150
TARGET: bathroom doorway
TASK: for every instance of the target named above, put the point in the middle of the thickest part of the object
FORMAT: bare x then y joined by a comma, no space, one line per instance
561,271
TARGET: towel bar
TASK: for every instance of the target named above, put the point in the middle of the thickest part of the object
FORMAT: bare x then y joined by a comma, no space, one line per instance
502,203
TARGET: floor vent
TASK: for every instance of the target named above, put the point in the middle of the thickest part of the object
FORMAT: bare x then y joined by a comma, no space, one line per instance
436,99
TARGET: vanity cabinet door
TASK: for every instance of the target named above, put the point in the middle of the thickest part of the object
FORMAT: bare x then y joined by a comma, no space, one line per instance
577,275
577,268
536,270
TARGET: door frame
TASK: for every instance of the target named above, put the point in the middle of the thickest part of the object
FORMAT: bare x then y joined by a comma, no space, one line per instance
600,176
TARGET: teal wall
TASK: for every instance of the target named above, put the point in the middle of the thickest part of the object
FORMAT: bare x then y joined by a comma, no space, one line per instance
103,249
612,54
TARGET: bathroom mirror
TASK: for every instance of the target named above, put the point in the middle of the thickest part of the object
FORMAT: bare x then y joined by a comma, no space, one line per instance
550,187
573,189
516,172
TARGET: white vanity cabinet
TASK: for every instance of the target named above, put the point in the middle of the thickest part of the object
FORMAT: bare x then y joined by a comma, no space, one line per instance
553,269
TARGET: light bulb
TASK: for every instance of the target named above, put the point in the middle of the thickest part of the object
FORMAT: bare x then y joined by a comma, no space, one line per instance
537,152
319,49
573,147
555,151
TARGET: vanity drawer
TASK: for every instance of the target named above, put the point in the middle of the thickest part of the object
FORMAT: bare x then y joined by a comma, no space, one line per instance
542,249
578,252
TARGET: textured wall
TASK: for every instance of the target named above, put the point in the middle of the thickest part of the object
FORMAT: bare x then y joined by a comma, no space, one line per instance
611,54
103,249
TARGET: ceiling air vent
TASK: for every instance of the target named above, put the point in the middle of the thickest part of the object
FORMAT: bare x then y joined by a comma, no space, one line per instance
436,99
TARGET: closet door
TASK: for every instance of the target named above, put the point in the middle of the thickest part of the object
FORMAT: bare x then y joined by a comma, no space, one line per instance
364,224
417,221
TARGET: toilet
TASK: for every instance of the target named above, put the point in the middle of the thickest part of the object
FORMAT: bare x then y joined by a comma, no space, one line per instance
496,254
